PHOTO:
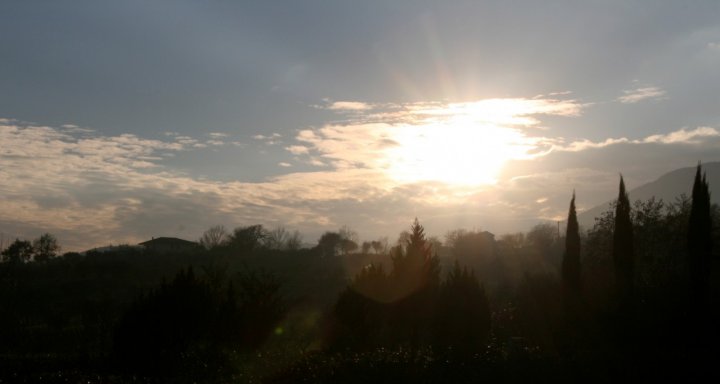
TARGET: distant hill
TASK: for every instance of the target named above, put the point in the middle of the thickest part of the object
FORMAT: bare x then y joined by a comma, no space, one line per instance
667,187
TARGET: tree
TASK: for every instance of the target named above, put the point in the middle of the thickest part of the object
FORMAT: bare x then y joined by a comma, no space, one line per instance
214,237
282,239
193,326
623,250
512,240
543,237
360,311
435,244
348,246
415,268
246,239
699,240
45,247
379,246
477,247
365,248
348,233
403,239
415,280
571,271
342,241
329,244
277,238
294,241
463,315
20,251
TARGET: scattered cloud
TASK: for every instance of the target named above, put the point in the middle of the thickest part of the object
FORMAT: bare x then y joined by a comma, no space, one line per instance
681,136
632,96
115,189
92,189
298,150
271,139
349,106
75,129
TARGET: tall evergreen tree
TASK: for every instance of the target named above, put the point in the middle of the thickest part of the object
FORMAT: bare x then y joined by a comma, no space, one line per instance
571,271
416,269
699,240
415,280
622,251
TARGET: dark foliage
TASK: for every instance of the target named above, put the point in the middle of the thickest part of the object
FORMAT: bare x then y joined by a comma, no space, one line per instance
462,323
19,251
571,270
699,240
190,327
536,316
623,250
246,239
410,308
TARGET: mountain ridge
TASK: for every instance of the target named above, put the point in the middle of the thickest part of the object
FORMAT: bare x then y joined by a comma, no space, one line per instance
667,187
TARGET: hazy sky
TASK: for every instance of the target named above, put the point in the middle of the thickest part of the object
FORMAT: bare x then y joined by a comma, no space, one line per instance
123,120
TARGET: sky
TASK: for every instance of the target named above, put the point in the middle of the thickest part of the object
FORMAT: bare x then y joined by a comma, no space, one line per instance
126,120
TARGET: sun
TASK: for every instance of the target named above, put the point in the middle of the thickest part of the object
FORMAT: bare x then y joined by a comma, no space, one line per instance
460,148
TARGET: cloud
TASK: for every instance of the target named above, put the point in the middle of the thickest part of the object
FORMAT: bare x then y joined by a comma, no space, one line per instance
369,139
681,136
271,139
298,150
349,106
115,189
632,96
92,189
713,46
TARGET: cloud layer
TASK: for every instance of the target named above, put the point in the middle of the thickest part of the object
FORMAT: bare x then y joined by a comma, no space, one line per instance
92,189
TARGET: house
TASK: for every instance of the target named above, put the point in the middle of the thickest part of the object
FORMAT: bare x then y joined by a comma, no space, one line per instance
169,244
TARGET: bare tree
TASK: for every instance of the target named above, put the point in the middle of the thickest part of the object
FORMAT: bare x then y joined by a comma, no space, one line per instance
214,237
294,241
277,238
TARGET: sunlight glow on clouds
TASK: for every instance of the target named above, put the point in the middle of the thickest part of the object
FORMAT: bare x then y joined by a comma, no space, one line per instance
632,96
681,136
456,143
378,168
349,106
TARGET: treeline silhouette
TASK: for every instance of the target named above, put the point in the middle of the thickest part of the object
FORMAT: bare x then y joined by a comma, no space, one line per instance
636,296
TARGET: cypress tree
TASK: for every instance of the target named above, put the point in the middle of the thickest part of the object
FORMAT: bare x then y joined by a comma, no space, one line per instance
571,271
622,251
699,240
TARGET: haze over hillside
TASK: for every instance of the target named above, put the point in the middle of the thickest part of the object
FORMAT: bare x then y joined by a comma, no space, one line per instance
667,187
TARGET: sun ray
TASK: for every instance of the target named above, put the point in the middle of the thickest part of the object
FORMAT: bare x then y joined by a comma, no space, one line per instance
460,144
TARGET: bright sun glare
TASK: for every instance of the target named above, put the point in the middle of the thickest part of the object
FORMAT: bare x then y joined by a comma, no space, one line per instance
468,145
